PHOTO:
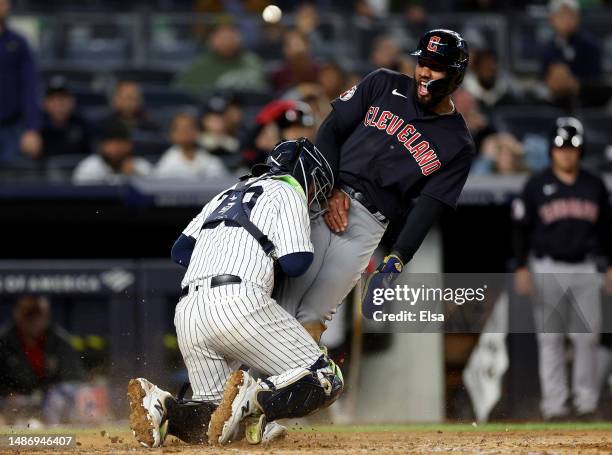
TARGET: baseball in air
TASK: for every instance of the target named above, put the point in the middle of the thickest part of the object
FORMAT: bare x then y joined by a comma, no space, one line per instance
272,14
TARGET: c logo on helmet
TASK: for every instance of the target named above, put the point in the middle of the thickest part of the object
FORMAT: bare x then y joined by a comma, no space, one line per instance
432,46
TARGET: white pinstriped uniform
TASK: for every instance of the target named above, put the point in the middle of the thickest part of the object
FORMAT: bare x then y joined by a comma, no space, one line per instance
221,328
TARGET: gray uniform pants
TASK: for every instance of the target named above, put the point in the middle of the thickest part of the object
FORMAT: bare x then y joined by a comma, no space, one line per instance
339,260
567,303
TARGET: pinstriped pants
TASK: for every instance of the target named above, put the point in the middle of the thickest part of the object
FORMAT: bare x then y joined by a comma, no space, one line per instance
220,329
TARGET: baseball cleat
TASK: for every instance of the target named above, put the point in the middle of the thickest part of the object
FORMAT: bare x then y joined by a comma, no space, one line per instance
238,402
148,418
259,430
273,432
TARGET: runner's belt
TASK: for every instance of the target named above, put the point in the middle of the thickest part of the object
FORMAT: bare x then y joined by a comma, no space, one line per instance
361,197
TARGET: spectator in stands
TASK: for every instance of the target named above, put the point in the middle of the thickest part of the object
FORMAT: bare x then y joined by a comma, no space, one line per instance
386,53
298,64
280,119
500,153
19,111
185,160
415,15
367,26
308,23
270,44
332,79
114,161
561,88
225,64
295,122
313,95
489,85
33,353
232,115
128,108
479,125
570,45
219,116
64,131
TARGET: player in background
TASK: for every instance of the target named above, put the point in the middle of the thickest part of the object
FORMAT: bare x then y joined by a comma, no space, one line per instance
227,318
390,140
562,224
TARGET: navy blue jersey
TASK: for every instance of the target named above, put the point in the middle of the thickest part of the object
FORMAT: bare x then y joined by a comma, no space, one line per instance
565,222
396,150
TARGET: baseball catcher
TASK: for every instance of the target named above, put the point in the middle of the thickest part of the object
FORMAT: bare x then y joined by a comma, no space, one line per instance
226,316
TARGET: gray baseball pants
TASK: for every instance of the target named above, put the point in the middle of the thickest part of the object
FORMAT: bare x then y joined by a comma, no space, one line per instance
339,260
567,303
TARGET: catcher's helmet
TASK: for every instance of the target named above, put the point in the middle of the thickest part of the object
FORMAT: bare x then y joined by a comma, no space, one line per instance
568,132
449,50
302,160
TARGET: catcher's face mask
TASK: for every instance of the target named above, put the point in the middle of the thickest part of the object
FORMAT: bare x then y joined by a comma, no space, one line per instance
302,160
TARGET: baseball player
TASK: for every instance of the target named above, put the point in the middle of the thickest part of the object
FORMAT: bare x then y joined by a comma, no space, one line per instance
562,223
227,318
390,140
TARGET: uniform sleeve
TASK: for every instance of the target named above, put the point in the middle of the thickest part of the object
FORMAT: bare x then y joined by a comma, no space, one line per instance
604,224
447,183
292,227
523,217
195,225
419,221
352,105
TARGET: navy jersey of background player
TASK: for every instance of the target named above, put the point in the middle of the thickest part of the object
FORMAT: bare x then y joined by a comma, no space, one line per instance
566,222
397,150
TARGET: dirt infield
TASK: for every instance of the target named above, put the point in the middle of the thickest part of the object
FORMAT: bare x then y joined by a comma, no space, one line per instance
562,439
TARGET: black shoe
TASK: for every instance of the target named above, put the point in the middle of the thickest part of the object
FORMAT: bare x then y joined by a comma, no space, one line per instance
561,418
592,416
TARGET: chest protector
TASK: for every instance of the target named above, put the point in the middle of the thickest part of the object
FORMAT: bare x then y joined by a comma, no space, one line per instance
234,212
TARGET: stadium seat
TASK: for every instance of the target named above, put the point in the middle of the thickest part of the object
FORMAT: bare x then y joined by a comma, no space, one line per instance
160,97
59,168
524,120
90,98
149,144
150,76
94,114
163,116
74,76
597,123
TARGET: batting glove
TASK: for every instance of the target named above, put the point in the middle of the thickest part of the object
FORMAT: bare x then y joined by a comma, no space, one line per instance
381,279
390,264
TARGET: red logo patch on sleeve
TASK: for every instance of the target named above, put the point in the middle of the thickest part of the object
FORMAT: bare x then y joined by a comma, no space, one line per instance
349,93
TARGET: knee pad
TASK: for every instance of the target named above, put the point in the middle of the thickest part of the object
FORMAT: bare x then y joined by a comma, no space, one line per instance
318,387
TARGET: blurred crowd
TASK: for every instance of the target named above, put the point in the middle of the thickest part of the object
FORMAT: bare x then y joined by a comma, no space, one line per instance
47,375
225,110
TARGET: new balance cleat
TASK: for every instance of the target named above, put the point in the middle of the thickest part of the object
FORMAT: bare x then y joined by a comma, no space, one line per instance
148,417
238,403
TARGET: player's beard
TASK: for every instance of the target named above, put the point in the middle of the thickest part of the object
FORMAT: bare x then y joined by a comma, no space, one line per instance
428,103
